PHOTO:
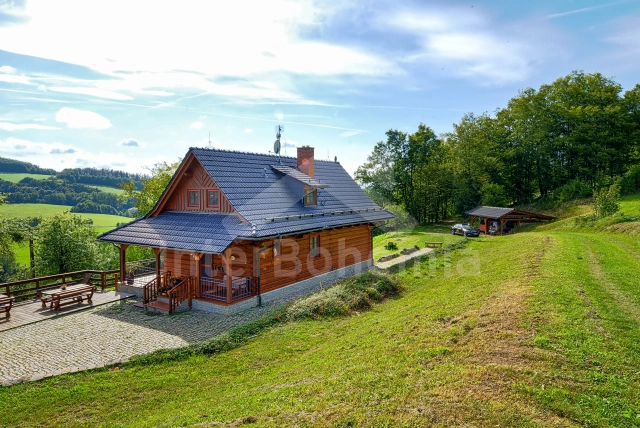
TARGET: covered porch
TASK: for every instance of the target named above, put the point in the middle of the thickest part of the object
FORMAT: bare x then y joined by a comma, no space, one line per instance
175,277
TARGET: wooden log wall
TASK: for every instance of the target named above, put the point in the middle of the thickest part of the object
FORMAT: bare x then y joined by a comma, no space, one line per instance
197,179
339,248
179,263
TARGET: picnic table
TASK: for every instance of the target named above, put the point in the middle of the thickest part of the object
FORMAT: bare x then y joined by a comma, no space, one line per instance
6,303
70,294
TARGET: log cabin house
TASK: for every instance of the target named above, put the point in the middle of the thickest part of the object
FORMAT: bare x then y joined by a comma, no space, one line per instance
499,221
235,229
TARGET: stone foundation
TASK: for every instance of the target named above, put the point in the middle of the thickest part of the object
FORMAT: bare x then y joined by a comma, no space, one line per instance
286,294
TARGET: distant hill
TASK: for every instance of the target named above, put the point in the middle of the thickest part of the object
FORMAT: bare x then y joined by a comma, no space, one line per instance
12,165
99,177
90,176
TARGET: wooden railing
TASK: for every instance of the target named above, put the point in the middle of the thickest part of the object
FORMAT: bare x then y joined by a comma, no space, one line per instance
217,290
150,289
32,288
184,290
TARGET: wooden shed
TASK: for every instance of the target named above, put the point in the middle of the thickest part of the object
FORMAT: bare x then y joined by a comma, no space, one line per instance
499,221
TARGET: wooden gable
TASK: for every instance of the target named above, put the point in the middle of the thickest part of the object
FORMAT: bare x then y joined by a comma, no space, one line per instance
192,177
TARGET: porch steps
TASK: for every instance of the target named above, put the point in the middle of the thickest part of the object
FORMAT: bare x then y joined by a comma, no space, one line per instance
155,304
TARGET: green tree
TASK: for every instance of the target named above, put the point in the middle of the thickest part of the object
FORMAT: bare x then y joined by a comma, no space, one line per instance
152,188
67,243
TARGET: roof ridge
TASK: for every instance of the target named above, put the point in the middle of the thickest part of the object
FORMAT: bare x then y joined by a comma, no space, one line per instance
214,149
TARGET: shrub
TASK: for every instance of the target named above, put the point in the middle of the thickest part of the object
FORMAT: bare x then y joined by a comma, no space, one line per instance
391,246
575,189
358,292
605,201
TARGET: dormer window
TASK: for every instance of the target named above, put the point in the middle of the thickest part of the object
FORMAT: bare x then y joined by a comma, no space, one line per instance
213,199
194,198
311,197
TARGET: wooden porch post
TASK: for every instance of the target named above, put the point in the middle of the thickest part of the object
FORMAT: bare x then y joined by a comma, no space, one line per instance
157,252
501,226
473,221
123,262
197,257
228,268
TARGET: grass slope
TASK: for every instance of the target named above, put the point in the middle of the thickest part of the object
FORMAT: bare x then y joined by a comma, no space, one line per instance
540,328
16,177
534,329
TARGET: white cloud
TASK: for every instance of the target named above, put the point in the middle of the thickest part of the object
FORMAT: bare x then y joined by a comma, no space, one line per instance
196,125
82,119
351,133
6,126
248,130
45,155
94,92
7,69
130,142
468,44
273,26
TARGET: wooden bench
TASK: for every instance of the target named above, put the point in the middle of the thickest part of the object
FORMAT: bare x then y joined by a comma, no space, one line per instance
6,303
432,244
75,294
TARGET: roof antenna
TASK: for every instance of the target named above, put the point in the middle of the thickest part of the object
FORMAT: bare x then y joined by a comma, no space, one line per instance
276,145
209,139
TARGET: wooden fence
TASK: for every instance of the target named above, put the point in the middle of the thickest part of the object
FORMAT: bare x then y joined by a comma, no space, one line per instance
31,288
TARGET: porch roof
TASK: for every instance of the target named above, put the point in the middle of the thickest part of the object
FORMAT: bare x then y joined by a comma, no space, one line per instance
189,231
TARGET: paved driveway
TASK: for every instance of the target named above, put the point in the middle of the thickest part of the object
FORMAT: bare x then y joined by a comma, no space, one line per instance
104,335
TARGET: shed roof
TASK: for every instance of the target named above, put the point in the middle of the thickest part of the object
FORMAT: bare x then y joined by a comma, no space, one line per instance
491,212
498,212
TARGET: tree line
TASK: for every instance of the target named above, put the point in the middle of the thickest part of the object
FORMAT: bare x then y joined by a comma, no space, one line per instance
16,166
566,140
54,191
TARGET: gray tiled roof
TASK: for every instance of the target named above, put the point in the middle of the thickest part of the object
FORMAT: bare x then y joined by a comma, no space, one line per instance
490,212
181,230
260,195
298,175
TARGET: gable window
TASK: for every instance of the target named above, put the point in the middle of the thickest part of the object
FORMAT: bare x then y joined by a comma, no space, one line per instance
314,245
213,198
310,197
194,198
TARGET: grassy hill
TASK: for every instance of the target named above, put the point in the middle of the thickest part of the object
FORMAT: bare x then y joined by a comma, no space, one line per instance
540,328
17,176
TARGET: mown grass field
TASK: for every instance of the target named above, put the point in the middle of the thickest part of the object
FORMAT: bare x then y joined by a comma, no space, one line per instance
109,189
407,238
540,328
16,177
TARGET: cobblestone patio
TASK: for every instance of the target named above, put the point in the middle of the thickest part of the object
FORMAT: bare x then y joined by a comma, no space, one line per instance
105,335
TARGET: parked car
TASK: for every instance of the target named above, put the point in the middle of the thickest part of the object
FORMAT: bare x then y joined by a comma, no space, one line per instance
464,230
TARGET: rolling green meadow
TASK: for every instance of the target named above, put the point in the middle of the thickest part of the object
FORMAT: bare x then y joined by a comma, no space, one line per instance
16,177
538,328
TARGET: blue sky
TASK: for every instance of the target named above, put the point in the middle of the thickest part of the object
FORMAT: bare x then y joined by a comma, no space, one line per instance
125,84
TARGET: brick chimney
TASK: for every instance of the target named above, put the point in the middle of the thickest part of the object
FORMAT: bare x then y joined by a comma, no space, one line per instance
305,160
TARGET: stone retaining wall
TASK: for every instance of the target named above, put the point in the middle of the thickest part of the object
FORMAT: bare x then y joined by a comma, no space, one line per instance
288,293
